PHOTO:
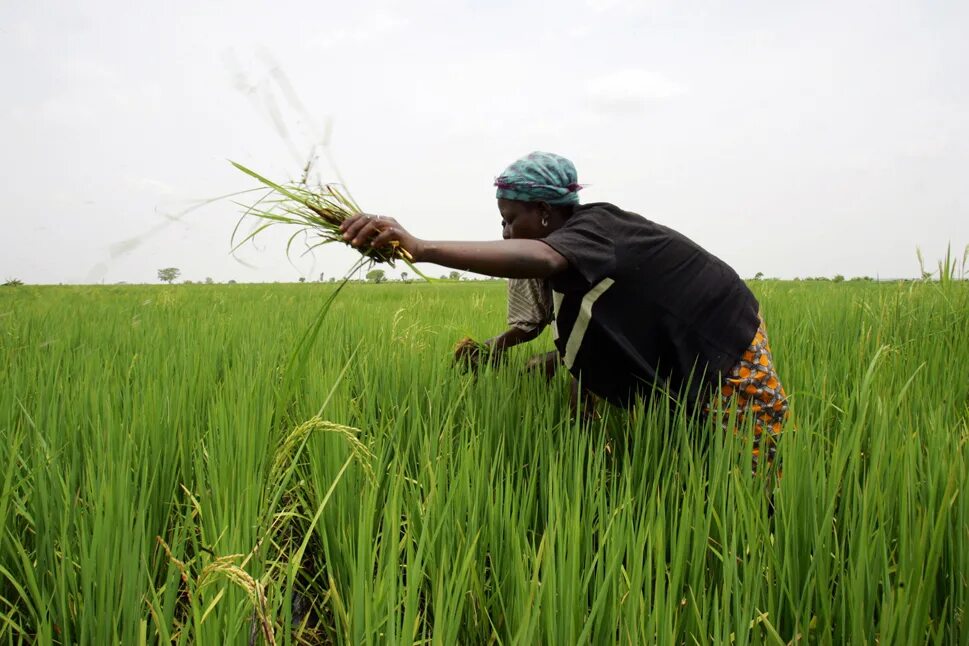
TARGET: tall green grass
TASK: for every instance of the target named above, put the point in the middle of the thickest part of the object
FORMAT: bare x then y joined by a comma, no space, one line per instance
171,474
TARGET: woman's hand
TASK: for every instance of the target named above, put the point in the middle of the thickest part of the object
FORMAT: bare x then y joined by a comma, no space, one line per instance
471,354
364,231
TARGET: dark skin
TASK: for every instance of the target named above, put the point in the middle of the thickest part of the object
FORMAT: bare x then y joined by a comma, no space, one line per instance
520,254
523,220
496,346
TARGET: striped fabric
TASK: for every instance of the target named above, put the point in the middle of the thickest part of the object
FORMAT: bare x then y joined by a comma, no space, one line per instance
529,306
582,321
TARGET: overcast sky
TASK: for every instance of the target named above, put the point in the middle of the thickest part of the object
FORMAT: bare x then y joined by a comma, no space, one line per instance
794,139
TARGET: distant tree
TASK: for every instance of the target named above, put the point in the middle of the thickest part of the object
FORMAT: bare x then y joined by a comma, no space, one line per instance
838,278
321,276
232,282
169,274
443,277
302,279
332,279
187,282
454,275
209,281
403,276
13,282
376,276
759,275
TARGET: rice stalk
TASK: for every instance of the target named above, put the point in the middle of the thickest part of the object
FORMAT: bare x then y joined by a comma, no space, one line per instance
470,353
226,568
284,455
495,519
317,213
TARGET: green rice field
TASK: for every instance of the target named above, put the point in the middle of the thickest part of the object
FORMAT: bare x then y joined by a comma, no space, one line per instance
216,464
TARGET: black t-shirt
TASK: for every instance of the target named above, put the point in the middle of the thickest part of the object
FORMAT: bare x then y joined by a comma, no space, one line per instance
642,306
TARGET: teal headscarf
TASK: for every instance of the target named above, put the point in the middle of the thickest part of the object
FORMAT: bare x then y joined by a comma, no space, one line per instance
540,177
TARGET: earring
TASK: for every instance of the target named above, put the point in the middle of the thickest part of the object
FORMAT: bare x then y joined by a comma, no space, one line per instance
545,221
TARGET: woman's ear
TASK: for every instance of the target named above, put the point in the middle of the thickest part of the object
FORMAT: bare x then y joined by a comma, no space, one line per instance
544,210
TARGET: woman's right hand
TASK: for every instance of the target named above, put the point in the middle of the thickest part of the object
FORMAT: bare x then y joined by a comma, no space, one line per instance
363,231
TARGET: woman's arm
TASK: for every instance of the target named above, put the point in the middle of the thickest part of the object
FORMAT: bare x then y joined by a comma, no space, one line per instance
511,337
502,258
493,350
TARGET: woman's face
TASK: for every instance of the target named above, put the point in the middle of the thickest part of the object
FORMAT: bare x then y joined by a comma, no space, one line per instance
522,219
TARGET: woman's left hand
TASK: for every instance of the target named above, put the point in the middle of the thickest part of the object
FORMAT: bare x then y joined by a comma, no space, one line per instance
364,231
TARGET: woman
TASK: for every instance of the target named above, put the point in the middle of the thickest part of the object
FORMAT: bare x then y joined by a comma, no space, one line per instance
637,306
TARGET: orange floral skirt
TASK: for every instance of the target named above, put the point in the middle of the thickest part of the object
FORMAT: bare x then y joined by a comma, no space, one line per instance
755,387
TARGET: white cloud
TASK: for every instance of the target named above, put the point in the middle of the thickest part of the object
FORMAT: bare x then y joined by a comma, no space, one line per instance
23,35
380,23
628,6
149,185
83,106
86,71
630,90
373,26
744,113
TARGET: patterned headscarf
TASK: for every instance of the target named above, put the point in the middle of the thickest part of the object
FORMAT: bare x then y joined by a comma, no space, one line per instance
540,177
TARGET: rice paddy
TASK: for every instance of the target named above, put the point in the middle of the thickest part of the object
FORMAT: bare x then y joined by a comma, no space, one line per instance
214,464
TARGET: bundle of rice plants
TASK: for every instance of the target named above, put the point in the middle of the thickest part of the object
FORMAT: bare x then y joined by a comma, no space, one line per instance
469,354
317,213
